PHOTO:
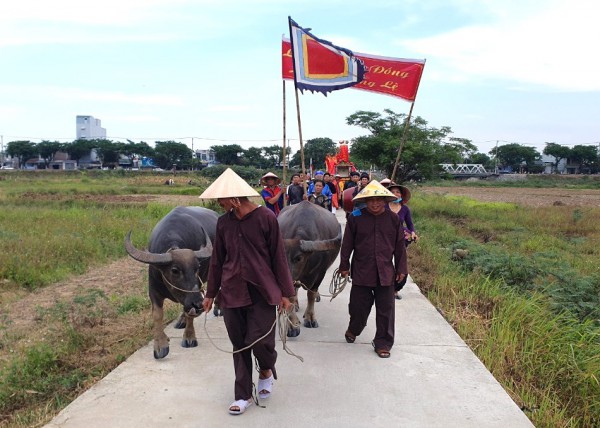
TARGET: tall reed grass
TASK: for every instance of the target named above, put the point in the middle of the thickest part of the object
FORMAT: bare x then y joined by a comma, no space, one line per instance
525,298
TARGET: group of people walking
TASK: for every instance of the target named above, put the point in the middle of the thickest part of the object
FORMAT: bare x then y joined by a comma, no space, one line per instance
249,270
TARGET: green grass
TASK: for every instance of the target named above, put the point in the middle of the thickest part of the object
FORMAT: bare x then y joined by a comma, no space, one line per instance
45,242
529,181
526,297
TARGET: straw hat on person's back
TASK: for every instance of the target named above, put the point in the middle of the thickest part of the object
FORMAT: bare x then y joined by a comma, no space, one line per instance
404,191
228,185
373,190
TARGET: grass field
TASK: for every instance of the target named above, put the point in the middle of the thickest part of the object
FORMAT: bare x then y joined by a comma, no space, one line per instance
519,283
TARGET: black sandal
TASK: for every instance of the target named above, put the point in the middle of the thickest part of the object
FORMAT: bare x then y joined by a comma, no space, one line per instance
350,338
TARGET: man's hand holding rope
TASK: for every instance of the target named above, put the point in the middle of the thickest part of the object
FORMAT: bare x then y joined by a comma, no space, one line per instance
285,305
207,304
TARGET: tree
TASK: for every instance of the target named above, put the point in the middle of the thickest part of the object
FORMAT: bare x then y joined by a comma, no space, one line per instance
317,149
78,148
586,157
254,157
558,152
483,159
229,154
170,153
274,155
425,147
22,150
133,150
107,151
47,150
514,155
459,148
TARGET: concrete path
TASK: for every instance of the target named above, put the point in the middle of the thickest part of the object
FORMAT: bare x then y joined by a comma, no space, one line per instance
432,379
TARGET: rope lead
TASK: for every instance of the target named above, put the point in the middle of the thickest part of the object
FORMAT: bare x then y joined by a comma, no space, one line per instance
284,323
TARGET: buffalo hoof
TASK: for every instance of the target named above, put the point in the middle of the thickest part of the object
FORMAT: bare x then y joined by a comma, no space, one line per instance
293,332
180,321
161,353
189,343
311,324
217,312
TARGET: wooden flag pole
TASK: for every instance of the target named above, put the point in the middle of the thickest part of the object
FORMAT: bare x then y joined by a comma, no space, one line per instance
300,135
402,141
284,157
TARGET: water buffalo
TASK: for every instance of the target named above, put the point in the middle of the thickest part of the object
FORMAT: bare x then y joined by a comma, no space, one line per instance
178,256
312,238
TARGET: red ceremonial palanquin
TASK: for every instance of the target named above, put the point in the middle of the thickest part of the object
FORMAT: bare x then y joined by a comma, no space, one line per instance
391,76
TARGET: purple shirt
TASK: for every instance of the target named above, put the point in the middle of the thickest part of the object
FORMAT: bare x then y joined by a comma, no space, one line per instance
249,250
374,240
405,217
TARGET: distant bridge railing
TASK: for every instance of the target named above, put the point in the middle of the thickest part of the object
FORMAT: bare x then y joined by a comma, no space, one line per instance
465,169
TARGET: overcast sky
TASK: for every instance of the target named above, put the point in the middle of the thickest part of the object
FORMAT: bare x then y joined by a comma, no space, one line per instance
513,71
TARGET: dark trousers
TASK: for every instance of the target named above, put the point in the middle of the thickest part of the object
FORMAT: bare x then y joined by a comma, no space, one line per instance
245,325
361,301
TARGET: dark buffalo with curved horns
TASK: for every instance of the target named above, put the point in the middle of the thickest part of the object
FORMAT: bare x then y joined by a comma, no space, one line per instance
312,237
178,256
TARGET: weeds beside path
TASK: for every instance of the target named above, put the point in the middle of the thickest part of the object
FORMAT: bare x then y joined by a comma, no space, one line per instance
71,333
532,197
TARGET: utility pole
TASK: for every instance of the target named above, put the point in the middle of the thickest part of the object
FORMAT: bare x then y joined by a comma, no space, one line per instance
496,159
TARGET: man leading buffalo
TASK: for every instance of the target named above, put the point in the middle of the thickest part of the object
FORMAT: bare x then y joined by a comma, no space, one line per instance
249,269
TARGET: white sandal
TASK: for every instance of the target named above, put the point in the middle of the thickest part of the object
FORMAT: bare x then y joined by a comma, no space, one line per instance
265,385
241,405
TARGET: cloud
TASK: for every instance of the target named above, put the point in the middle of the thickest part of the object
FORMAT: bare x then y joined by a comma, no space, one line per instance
78,94
552,48
29,22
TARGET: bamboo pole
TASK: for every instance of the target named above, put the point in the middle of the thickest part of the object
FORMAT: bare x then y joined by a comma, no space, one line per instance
284,157
300,136
403,138
402,141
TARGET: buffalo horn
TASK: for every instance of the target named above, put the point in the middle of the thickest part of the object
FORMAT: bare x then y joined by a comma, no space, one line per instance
206,251
324,245
145,256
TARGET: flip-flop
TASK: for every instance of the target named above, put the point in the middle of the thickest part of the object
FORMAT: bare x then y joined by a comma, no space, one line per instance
241,405
265,385
350,338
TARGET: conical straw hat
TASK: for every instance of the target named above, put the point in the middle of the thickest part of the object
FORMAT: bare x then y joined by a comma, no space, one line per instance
375,189
404,191
269,175
228,185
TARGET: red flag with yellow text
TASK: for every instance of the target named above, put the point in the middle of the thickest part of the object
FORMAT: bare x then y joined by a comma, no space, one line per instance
397,77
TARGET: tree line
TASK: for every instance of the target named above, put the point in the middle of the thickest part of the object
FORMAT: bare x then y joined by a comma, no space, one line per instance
425,148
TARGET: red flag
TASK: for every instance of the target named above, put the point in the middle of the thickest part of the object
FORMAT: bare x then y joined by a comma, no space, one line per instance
397,77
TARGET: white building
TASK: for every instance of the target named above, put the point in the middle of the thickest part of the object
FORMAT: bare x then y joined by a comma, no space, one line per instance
89,128
548,161
206,156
